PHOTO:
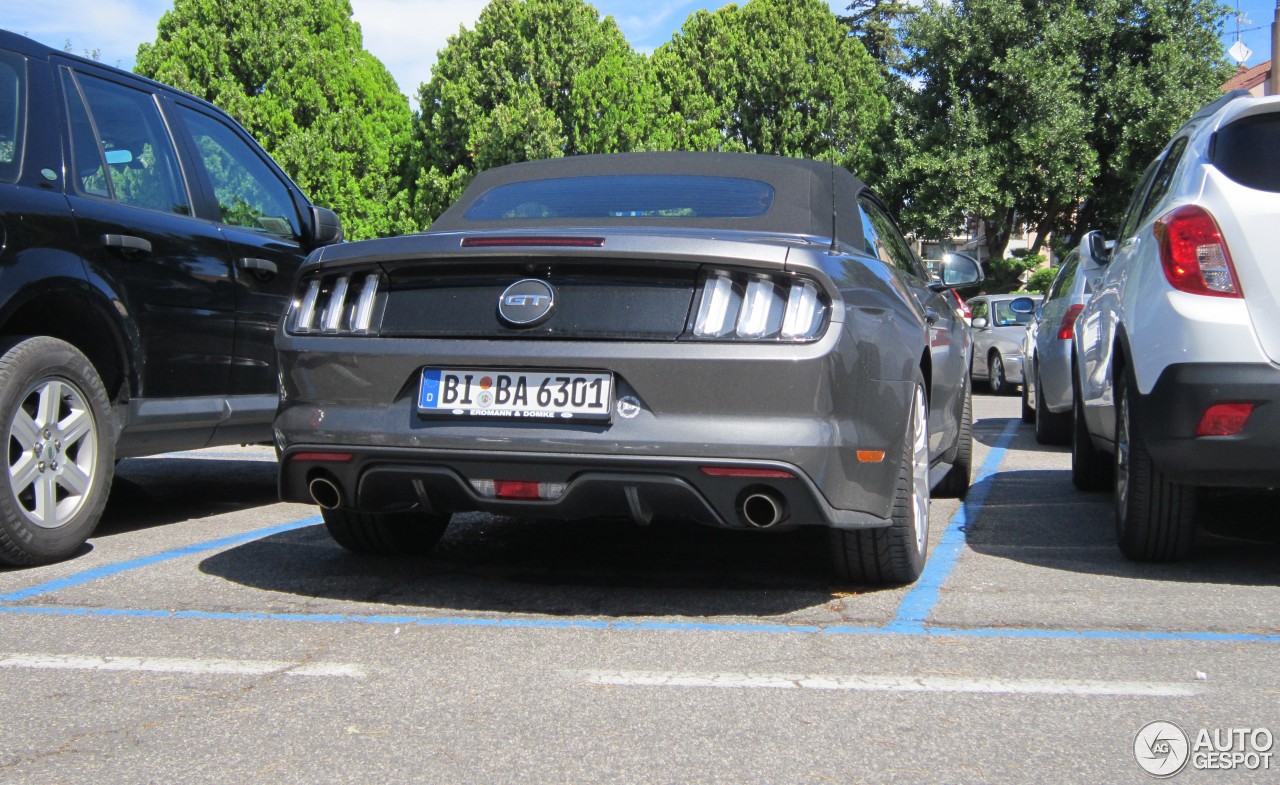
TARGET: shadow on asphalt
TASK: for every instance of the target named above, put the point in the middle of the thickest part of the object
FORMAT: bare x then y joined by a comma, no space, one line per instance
598,567
1038,517
151,492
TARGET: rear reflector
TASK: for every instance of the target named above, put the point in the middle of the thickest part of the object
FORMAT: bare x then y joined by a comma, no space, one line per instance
1224,419
535,242
726,471
1067,328
322,457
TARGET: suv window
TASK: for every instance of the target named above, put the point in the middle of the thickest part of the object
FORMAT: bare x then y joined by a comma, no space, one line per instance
881,239
13,113
121,146
1164,175
1130,222
249,193
1245,151
1065,277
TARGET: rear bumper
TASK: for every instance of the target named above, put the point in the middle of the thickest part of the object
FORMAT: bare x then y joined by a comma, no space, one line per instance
587,486
1170,413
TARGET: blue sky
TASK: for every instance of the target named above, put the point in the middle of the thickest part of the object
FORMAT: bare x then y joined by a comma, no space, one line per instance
406,34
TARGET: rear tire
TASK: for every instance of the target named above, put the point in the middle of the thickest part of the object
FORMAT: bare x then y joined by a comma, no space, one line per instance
61,447
1155,518
895,554
385,534
1051,427
955,485
1091,469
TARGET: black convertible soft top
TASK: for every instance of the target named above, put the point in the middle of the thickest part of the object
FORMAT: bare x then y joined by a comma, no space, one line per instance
804,197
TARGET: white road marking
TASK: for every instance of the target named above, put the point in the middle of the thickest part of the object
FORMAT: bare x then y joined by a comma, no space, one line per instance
887,683
180,665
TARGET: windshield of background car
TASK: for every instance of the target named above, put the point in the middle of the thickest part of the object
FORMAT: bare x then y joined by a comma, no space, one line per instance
13,89
1006,317
625,196
1248,151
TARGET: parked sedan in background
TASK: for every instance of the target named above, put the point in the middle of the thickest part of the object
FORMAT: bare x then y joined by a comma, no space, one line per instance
1047,386
998,324
1178,368
642,336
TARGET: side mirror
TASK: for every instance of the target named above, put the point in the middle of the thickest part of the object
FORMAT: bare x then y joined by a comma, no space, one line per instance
979,323
326,227
959,270
1022,305
1099,247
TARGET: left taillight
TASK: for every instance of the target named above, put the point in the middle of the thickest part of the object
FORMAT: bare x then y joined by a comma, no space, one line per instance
758,307
343,304
1194,254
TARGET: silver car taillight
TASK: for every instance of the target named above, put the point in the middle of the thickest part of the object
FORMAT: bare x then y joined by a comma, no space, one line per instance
336,305
758,307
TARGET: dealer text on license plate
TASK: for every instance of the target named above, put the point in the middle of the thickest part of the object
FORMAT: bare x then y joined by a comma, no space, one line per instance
516,394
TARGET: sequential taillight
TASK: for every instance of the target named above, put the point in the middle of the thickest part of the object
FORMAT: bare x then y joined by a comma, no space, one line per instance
758,307
1224,419
336,305
1067,327
1194,254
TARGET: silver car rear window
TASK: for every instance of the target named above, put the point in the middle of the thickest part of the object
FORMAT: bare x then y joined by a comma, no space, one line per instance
1248,151
625,196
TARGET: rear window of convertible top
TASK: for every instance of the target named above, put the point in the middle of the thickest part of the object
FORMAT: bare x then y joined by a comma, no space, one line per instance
625,196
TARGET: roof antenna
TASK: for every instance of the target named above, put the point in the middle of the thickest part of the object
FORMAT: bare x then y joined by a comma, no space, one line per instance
835,247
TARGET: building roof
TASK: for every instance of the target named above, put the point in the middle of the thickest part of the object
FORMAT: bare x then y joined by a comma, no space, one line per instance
1248,78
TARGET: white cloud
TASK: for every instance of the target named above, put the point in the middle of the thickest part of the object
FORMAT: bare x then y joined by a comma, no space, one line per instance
406,34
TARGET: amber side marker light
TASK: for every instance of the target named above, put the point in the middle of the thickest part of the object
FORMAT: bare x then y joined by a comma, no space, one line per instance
534,242
871,456
1224,419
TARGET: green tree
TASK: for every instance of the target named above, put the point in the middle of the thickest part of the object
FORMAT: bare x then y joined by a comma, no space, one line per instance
295,73
1026,110
1041,280
780,77
534,79
878,25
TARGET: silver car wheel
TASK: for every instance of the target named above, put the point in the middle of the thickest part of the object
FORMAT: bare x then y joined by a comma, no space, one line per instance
920,468
53,452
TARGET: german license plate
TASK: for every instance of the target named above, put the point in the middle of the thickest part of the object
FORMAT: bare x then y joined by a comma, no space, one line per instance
558,395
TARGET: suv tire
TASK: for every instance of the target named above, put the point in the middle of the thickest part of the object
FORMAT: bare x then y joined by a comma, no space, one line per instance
1090,468
61,450
1155,517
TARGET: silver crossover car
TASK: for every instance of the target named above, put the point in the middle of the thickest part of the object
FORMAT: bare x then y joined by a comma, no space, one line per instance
742,341
998,323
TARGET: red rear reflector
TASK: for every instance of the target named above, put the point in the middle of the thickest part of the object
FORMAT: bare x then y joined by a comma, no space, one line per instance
536,242
724,471
1224,419
1194,255
515,489
1067,328
322,457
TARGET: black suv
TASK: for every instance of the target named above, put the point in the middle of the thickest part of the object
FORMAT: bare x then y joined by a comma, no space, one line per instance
147,252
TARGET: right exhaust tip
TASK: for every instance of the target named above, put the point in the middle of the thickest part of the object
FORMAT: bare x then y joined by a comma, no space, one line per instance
763,509
326,493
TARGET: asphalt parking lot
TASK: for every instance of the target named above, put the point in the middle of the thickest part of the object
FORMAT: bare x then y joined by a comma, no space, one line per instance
209,633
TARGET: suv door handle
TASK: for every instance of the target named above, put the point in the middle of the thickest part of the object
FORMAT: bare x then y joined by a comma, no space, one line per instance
262,269
128,245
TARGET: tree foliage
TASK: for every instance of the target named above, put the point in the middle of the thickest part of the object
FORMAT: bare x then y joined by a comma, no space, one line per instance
780,77
296,75
1024,110
533,79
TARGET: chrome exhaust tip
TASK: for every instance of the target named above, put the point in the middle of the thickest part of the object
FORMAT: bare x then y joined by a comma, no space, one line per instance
763,510
326,493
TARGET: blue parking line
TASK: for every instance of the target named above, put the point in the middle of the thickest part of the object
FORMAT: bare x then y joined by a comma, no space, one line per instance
507,622
81,578
915,608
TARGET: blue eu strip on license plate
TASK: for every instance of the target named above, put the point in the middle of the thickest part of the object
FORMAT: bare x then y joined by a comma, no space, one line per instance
561,395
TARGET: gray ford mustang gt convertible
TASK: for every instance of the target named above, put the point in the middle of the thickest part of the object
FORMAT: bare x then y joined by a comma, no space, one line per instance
742,341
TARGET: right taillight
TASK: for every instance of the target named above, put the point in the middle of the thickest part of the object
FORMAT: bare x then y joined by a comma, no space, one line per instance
1067,327
758,307
1194,254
